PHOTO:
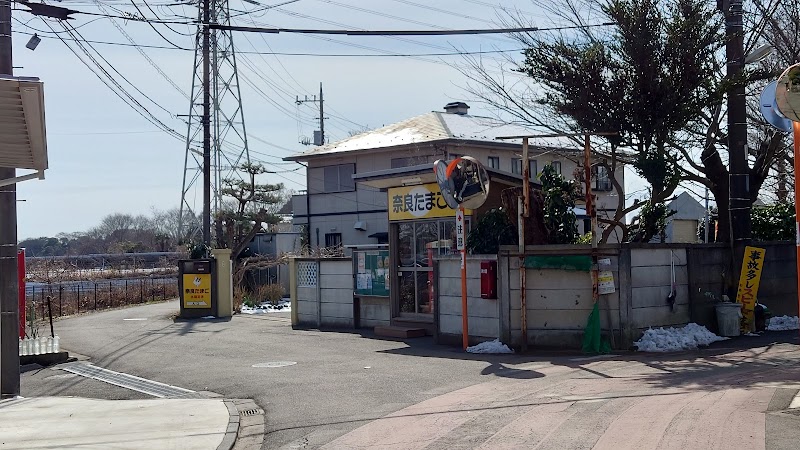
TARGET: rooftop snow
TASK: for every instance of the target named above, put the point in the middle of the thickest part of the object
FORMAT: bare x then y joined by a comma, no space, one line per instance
436,126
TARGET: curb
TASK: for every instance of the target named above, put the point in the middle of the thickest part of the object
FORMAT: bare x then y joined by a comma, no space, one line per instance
233,427
251,425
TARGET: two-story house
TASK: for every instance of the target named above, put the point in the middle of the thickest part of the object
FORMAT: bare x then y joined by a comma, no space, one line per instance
377,190
339,211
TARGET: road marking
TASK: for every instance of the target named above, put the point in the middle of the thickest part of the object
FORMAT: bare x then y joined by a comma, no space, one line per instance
274,364
127,381
795,402
137,318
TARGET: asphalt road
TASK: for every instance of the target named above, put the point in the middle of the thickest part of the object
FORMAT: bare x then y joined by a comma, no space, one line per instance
352,390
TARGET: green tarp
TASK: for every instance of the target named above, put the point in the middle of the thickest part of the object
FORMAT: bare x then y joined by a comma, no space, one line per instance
579,263
592,339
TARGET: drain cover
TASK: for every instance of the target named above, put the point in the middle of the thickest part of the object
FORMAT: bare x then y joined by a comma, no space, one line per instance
273,364
250,412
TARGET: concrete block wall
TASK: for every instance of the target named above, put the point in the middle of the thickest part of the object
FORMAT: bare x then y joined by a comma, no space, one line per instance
336,292
375,311
559,303
306,305
709,273
484,314
778,288
650,283
324,299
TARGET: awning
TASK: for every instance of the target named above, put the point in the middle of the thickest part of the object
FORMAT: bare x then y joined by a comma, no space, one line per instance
23,140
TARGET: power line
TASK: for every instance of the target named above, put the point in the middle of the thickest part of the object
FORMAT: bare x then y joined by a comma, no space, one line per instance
277,30
335,55
154,27
141,51
216,26
126,97
443,11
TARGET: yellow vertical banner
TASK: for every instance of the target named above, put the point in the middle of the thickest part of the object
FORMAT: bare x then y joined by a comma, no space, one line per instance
747,294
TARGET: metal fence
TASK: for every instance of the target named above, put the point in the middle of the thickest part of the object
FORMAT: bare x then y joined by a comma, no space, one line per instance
80,296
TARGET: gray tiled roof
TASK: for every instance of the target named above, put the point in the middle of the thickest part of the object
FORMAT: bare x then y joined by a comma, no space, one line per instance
431,127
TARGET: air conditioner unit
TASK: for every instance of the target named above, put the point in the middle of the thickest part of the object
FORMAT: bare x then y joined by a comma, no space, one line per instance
360,225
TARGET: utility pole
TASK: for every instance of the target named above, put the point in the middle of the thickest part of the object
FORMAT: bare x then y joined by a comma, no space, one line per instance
739,192
206,123
318,140
9,295
321,117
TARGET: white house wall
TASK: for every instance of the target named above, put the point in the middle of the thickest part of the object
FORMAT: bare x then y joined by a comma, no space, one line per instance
339,211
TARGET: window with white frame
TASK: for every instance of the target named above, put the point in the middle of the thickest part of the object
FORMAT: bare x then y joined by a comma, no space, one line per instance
557,166
494,162
602,181
339,178
533,166
516,166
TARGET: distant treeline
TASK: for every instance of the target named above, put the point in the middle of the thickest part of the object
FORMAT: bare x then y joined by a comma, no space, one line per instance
117,233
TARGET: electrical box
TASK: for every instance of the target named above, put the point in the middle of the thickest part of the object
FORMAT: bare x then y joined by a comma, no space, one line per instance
197,283
489,279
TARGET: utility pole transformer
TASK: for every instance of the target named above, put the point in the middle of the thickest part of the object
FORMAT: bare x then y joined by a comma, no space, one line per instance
216,121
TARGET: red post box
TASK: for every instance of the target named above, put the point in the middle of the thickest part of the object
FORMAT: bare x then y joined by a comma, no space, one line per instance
489,279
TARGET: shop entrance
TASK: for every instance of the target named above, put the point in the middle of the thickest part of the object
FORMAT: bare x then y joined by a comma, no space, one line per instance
418,243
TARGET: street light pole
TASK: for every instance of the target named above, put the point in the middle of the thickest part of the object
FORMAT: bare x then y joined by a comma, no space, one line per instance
739,184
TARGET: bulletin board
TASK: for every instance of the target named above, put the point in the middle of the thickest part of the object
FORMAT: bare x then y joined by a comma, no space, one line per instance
371,272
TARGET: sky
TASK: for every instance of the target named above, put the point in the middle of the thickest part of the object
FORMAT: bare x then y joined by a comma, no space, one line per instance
106,158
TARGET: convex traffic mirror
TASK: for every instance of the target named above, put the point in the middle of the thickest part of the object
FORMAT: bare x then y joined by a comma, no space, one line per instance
463,182
787,93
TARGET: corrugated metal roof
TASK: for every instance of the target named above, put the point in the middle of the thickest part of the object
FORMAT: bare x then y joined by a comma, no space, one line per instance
431,127
23,141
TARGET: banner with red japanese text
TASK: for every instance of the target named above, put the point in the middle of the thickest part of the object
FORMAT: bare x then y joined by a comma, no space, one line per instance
747,295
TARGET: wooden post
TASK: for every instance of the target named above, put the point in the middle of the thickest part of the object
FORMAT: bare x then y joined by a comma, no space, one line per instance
587,169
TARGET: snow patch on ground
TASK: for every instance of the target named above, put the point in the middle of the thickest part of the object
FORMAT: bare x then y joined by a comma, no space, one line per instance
783,323
676,339
494,346
267,307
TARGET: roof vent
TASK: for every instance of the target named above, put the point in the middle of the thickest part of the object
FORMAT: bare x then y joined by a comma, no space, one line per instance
456,108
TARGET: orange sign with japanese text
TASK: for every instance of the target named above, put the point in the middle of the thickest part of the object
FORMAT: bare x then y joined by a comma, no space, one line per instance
197,290
747,295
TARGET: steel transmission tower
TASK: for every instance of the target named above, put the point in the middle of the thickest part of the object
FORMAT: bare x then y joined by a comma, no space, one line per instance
216,139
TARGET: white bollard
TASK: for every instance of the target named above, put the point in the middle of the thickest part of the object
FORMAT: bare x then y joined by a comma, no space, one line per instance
56,344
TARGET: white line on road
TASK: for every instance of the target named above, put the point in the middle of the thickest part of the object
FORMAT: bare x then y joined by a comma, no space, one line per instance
137,318
795,402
